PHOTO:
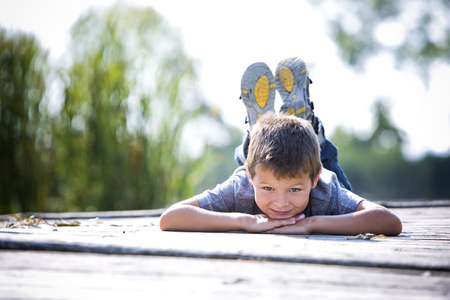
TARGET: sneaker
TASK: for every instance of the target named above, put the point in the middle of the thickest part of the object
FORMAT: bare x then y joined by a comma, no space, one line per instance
258,91
292,83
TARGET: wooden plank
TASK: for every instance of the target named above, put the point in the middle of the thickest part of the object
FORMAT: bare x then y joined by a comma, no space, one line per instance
415,265
386,254
424,244
55,275
414,203
158,212
90,215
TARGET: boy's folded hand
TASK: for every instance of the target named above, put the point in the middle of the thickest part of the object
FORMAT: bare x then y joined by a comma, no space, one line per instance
296,228
262,223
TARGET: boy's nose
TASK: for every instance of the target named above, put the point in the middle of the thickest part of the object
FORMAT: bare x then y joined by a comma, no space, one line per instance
281,201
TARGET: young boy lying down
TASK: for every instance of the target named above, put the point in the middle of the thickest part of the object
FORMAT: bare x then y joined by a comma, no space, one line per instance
282,187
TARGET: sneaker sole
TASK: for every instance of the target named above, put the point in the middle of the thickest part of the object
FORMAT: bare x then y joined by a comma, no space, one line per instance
292,84
258,91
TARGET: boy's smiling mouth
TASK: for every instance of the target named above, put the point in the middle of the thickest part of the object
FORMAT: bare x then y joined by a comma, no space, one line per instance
281,213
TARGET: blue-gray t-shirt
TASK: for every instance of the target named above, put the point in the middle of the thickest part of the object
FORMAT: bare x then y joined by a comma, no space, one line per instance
237,195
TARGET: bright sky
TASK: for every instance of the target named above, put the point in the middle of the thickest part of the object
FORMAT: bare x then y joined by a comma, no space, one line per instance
225,37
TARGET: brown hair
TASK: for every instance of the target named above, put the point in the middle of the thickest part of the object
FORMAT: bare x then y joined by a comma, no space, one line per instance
286,145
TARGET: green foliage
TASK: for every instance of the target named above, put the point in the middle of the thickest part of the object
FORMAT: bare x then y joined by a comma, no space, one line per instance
126,157
378,170
416,32
225,163
129,92
23,121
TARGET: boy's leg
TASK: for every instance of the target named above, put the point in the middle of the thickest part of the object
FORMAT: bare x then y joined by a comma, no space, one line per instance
329,158
293,82
240,152
258,95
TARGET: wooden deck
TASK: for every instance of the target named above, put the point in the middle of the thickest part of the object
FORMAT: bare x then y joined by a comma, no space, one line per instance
124,254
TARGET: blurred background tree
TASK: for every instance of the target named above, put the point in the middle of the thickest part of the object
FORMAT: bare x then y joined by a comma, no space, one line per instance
129,92
23,122
377,168
131,110
415,32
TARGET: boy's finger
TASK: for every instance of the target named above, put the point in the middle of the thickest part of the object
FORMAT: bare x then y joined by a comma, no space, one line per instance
282,223
290,222
299,217
287,222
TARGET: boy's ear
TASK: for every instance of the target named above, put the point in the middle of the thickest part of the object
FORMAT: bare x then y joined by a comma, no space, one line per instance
316,179
248,174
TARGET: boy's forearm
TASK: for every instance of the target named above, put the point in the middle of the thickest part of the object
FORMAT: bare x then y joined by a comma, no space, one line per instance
191,218
377,220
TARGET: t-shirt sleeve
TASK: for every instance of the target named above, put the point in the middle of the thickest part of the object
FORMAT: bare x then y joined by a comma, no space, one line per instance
219,199
234,195
344,202
330,198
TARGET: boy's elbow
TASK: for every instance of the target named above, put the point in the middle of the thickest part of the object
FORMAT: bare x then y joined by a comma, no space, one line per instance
397,228
382,220
394,225
176,217
163,224
164,221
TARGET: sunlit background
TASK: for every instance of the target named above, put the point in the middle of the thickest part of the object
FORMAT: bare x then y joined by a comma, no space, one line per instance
226,37
223,38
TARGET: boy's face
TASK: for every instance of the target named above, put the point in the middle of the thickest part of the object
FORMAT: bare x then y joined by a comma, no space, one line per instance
284,197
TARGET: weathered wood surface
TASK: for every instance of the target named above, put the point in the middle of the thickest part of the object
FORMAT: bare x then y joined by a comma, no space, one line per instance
57,275
414,265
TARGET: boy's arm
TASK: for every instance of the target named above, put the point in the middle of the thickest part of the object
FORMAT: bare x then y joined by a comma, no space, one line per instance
187,215
368,217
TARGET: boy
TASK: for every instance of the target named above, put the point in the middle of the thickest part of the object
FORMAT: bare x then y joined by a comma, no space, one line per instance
282,188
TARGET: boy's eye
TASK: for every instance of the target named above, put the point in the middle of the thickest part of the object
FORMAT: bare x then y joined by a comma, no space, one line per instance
268,188
295,190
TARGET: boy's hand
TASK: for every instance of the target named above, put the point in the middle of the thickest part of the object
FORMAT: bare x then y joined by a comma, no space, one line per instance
262,223
368,217
296,228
